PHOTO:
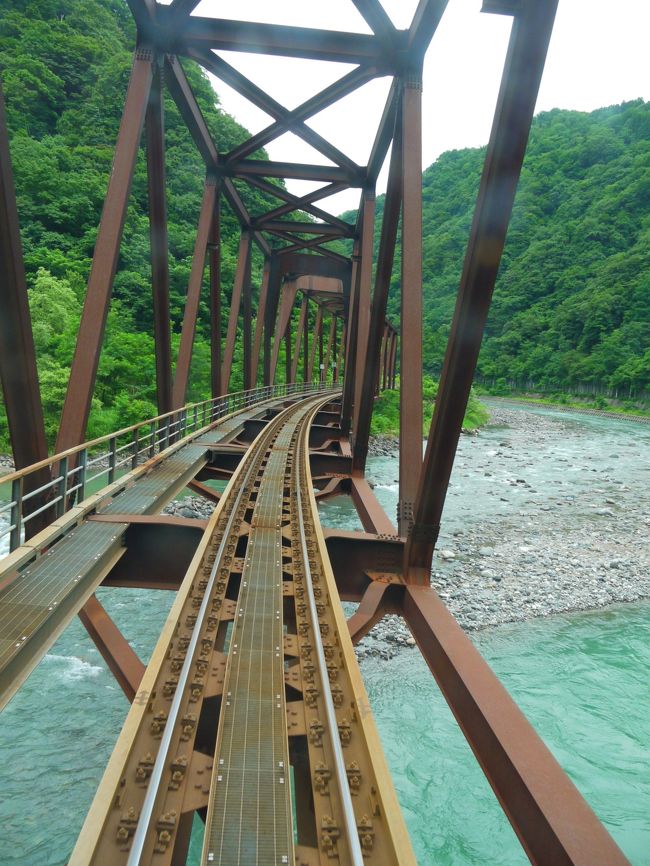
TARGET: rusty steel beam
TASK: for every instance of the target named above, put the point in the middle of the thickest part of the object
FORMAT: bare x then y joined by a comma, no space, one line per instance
258,97
287,41
370,611
179,88
423,26
384,134
287,353
143,11
522,74
247,327
351,344
115,649
155,137
259,320
384,359
299,337
552,820
271,312
235,303
377,19
294,170
289,292
370,370
393,362
363,305
325,229
294,202
83,373
214,257
317,266
18,373
318,324
334,92
181,377
330,341
341,352
410,441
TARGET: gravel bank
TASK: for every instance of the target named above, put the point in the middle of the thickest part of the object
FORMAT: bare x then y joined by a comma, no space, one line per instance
562,525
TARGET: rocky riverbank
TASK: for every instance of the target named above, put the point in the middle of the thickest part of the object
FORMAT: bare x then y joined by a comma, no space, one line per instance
544,515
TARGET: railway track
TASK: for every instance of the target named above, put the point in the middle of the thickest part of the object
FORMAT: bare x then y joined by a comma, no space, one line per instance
252,711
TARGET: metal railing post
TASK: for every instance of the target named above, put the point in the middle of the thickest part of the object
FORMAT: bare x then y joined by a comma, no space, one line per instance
136,448
112,458
16,513
61,505
83,465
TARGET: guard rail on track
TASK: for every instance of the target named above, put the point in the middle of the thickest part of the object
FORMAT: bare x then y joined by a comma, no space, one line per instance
69,472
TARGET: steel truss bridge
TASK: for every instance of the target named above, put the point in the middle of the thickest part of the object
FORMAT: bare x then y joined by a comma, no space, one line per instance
252,711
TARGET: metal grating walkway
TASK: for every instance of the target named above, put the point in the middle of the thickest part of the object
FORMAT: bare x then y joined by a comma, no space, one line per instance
249,821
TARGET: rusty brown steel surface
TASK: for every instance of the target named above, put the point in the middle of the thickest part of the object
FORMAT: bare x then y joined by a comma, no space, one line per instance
182,373
259,320
522,74
289,292
18,373
91,329
283,40
247,324
155,136
315,337
370,370
235,303
330,342
116,651
214,258
552,820
410,410
299,337
362,303
351,345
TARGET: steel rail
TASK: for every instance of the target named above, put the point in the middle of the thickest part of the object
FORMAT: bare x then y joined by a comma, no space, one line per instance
351,830
160,764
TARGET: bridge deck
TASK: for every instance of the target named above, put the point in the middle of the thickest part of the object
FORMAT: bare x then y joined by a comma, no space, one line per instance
252,710
37,602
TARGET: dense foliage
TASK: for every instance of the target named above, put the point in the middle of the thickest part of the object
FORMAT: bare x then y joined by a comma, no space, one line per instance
571,308
65,66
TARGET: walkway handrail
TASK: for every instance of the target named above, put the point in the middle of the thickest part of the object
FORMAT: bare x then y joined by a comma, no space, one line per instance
69,469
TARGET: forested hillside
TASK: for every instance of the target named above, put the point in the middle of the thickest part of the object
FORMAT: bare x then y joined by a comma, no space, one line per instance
65,66
571,308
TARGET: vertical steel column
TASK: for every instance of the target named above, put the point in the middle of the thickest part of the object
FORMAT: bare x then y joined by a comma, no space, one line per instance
410,434
341,353
305,348
393,362
330,342
18,374
270,313
315,341
370,371
363,300
289,292
288,366
247,327
259,320
335,351
190,314
522,74
214,257
83,373
299,338
381,380
155,136
351,345
235,303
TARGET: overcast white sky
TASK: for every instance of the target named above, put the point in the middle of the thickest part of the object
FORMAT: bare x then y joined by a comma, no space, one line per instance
598,56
